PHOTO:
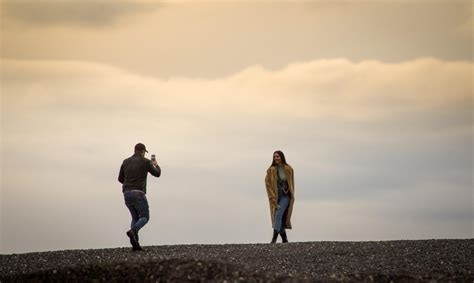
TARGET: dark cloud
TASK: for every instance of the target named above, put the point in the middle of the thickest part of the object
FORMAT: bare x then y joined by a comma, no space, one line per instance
85,13
211,39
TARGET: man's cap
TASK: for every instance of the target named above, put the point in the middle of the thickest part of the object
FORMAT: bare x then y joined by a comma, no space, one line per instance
140,147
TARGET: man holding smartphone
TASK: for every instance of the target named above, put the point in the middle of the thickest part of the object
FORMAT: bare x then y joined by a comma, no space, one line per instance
133,174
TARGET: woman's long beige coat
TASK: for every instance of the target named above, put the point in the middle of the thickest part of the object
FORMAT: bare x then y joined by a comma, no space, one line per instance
272,192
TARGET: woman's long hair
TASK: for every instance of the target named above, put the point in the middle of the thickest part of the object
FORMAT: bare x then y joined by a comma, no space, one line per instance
282,157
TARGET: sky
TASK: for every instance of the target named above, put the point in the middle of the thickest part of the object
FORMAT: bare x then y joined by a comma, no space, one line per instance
371,102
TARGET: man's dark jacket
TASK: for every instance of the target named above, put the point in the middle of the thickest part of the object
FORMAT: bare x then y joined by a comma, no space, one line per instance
134,171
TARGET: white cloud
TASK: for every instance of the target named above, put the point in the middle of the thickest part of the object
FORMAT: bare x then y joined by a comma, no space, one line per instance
356,133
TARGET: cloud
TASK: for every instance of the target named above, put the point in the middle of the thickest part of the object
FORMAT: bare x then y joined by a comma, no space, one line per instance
76,13
359,136
466,28
214,39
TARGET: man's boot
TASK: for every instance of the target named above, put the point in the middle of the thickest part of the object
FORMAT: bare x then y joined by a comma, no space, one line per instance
133,238
137,247
283,236
275,235
136,235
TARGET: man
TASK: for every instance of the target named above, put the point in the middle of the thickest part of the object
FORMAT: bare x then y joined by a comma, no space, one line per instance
133,173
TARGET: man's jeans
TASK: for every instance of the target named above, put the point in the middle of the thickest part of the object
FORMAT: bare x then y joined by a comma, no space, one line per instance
138,205
283,202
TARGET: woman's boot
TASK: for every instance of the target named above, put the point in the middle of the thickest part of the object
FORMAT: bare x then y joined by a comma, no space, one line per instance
283,236
275,235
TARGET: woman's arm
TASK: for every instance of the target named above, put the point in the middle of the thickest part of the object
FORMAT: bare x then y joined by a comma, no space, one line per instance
293,179
270,191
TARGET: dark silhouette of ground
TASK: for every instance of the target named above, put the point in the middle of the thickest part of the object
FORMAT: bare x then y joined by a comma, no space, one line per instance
385,261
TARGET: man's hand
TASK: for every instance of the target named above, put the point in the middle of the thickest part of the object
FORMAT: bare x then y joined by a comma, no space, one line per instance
154,170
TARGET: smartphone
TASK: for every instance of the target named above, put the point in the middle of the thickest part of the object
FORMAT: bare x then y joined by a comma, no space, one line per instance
153,157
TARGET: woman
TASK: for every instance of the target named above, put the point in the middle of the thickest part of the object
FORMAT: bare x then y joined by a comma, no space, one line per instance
280,185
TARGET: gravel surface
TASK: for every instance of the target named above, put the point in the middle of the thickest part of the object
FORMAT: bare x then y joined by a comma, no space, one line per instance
385,261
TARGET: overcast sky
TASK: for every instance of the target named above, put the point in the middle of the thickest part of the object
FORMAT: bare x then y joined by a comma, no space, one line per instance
370,101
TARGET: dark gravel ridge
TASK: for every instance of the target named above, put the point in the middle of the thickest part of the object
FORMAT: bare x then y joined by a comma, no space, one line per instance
166,270
379,261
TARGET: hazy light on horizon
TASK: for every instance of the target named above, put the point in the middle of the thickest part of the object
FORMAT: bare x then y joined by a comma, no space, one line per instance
387,162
